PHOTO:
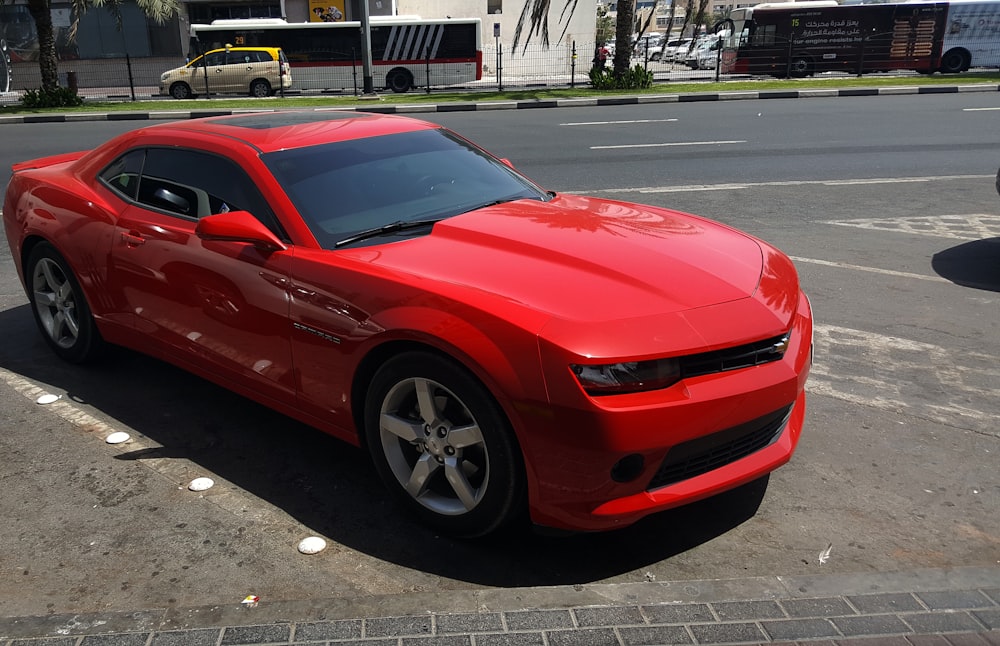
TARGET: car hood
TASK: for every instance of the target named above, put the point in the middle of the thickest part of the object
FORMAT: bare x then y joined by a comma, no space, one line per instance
583,259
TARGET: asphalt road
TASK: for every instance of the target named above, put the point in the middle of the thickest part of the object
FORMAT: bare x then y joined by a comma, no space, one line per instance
887,206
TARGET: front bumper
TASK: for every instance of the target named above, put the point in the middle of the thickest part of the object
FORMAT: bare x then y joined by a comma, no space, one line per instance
625,457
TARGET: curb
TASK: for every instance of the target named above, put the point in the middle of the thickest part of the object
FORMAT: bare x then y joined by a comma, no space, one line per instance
522,105
963,602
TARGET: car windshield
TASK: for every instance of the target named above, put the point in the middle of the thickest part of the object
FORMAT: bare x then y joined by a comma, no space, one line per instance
345,188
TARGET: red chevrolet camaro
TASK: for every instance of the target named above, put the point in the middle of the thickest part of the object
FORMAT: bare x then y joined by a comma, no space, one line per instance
499,349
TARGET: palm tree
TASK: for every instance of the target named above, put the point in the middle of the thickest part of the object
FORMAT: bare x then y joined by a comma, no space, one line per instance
535,18
623,36
41,13
536,13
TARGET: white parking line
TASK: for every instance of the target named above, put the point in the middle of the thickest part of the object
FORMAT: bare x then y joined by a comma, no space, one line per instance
615,123
808,182
673,143
873,270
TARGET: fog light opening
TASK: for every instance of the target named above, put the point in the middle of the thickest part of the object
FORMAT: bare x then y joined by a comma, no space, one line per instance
628,468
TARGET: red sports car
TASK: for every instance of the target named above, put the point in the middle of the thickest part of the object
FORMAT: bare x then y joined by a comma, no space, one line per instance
497,348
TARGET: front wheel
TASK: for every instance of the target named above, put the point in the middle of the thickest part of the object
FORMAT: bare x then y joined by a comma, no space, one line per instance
60,309
443,446
181,90
800,66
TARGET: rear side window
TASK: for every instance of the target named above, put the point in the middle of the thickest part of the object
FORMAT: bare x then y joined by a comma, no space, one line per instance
122,175
187,183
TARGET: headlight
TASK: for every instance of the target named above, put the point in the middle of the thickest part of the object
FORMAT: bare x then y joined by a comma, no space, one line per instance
163,77
627,376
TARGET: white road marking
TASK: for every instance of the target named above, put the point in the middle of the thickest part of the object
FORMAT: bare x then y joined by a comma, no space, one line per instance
873,270
970,226
615,123
672,143
820,182
978,109
890,373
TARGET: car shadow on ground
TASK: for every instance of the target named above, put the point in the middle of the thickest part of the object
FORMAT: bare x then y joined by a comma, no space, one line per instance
331,487
972,264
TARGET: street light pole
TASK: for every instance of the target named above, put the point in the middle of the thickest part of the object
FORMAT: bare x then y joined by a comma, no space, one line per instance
368,86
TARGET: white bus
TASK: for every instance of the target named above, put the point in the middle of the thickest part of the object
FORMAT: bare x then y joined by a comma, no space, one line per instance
406,51
971,35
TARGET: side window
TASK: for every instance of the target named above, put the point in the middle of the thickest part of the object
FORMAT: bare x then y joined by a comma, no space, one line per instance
122,175
195,184
216,59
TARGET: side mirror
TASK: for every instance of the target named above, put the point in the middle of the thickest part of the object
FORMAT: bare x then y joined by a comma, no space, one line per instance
238,226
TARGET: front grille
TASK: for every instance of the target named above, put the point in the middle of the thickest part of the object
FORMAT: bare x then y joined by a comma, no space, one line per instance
742,356
701,455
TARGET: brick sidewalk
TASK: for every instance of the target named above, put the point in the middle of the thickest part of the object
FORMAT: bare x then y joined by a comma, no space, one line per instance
950,607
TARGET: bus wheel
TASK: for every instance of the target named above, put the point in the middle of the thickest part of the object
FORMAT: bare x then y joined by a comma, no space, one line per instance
181,91
954,61
800,65
399,80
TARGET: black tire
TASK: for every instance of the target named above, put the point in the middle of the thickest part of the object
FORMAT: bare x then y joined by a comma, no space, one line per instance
260,88
800,66
181,90
954,61
443,446
399,81
61,311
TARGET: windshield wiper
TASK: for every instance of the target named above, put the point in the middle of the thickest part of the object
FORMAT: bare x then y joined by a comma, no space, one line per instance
385,229
504,200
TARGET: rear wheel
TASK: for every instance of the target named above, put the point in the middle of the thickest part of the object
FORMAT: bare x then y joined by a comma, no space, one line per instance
260,88
181,90
443,446
954,61
59,307
399,81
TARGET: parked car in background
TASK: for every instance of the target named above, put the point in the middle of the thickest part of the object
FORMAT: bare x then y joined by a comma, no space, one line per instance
676,53
644,46
708,59
702,47
669,50
256,71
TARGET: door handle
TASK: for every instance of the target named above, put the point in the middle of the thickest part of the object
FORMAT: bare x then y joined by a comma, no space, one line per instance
133,239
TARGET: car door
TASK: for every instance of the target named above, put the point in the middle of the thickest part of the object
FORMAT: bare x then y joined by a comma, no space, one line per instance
217,72
222,306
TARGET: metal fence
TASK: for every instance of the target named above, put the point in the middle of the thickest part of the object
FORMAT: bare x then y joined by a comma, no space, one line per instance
565,64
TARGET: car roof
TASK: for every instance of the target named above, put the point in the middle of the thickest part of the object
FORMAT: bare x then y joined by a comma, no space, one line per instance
272,131
242,49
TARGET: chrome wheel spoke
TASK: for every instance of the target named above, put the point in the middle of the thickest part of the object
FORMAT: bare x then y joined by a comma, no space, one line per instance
462,437
466,493
401,428
425,401
45,298
421,475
